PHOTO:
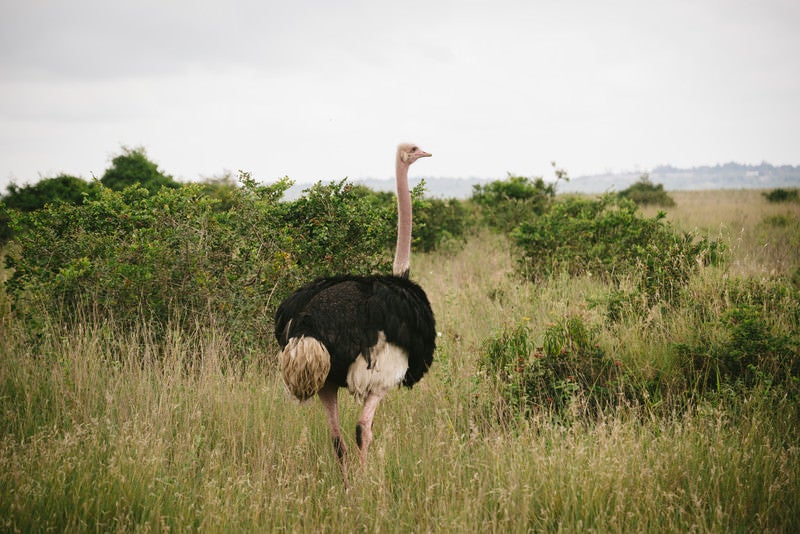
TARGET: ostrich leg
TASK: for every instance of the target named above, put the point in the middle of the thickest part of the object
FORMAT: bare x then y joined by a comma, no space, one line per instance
364,425
329,395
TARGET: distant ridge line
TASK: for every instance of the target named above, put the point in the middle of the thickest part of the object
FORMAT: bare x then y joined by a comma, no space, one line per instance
725,176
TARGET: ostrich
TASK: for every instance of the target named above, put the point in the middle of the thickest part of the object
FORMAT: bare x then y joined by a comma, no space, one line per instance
366,333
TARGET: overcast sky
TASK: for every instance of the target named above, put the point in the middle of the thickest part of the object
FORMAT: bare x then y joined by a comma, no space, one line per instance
326,89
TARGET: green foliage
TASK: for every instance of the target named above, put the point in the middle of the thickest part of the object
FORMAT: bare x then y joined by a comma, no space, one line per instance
376,198
750,353
506,203
138,257
745,335
174,257
583,236
436,222
439,222
661,271
568,370
645,192
751,345
339,229
131,168
62,188
609,238
223,190
202,254
781,195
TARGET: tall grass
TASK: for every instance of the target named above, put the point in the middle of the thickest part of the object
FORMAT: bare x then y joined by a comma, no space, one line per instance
185,443
105,429
764,236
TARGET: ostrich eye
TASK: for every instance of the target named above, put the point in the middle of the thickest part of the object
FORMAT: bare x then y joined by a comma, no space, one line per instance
414,149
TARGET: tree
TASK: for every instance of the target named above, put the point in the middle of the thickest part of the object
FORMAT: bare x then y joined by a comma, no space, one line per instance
132,167
646,192
62,188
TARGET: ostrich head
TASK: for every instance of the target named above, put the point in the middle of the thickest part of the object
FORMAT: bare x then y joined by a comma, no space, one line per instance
408,153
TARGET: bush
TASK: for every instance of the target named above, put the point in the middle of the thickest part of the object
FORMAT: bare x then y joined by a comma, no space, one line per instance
505,204
436,222
61,189
609,238
173,258
129,168
751,353
223,191
568,370
337,228
781,195
644,192
439,222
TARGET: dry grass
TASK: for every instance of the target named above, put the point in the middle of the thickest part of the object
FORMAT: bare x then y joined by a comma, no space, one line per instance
192,445
107,431
764,237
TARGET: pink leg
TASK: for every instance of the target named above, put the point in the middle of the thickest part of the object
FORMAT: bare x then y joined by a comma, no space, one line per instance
364,425
329,395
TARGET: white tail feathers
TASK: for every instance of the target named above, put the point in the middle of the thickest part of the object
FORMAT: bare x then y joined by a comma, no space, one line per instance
389,366
305,363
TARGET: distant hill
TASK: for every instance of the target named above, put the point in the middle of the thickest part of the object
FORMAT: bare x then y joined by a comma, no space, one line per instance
726,176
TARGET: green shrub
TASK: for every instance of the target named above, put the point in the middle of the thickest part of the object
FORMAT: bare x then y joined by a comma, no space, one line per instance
172,257
223,191
661,272
565,370
644,192
504,204
336,228
61,189
580,236
439,222
436,222
127,169
569,370
607,237
750,353
781,195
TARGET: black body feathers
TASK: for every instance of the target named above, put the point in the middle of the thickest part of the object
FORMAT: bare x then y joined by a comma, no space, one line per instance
347,312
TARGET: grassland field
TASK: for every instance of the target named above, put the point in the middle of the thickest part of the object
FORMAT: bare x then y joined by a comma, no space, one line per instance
100,430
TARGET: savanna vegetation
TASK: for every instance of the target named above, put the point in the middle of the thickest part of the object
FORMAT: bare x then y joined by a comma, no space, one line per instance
645,192
603,364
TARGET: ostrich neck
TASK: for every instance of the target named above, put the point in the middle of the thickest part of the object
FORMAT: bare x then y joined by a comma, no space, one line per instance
403,250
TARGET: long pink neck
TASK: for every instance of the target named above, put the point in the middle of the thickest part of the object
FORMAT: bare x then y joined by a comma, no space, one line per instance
403,251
